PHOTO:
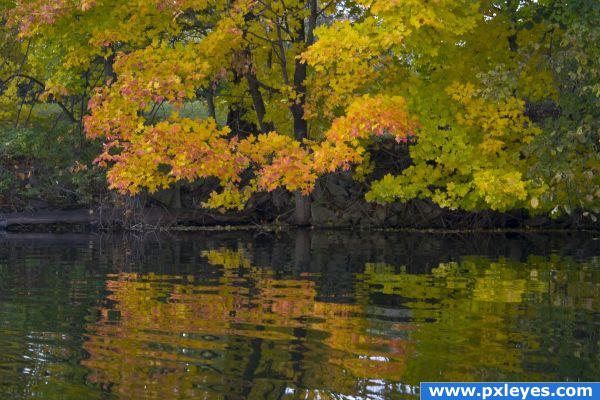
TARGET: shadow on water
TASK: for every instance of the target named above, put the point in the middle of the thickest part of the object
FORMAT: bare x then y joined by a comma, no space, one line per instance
303,314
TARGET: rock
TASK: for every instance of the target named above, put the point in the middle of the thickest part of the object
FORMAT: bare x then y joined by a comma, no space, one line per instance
380,214
321,215
338,192
170,198
348,218
281,199
318,193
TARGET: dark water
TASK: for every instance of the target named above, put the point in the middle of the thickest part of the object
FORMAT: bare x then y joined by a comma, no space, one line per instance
293,315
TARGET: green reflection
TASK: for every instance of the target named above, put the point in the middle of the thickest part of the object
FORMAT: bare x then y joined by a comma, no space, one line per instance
44,305
498,320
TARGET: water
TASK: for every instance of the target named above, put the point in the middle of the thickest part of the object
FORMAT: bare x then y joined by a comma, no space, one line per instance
293,315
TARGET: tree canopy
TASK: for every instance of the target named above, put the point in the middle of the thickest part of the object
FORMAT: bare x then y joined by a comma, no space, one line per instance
497,101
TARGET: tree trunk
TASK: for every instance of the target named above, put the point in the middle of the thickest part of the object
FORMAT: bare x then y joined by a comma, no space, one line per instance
302,212
258,103
109,72
235,116
210,102
48,218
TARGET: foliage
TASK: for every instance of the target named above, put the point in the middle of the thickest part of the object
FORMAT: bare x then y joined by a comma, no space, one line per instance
35,169
475,162
498,100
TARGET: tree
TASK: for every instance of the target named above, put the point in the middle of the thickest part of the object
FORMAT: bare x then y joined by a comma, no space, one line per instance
528,147
154,155
310,85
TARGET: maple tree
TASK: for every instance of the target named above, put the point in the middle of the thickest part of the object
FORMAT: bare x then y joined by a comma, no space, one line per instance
308,85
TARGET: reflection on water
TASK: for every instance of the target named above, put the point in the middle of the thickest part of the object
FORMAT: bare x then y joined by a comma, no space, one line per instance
293,315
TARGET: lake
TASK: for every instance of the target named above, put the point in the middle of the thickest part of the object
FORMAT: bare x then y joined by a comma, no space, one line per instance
299,314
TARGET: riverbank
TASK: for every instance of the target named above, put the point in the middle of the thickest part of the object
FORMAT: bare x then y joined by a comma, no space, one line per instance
418,216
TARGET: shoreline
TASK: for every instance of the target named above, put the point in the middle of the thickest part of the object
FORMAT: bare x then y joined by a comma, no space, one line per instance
161,220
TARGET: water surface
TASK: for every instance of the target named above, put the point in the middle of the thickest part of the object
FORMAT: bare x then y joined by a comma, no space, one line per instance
293,315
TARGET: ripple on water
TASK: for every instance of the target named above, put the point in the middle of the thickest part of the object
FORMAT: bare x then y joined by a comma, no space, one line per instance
247,317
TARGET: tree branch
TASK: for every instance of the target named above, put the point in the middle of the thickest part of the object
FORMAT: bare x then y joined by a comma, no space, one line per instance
40,83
